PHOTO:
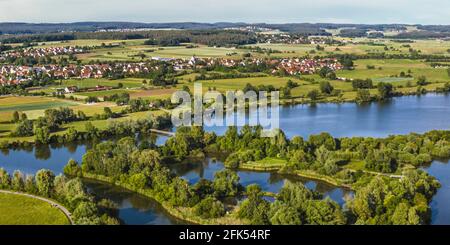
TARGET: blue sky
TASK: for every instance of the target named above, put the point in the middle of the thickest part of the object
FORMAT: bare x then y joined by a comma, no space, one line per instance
251,11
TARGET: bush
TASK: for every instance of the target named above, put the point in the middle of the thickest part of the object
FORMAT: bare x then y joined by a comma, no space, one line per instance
210,208
72,169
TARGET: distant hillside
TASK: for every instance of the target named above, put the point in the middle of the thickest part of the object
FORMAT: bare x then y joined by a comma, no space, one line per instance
308,29
35,28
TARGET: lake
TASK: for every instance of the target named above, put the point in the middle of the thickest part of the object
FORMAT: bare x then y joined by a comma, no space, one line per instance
401,115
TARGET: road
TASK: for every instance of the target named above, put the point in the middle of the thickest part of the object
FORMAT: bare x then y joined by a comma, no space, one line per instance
54,204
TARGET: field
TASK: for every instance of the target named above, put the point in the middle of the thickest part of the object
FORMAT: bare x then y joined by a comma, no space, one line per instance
21,210
359,46
103,93
224,85
87,42
32,106
386,69
132,51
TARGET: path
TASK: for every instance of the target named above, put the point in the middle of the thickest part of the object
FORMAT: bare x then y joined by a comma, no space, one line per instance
162,132
54,204
394,176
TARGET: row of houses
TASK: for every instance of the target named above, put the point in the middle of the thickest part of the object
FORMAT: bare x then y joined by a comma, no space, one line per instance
41,52
306,66
11,74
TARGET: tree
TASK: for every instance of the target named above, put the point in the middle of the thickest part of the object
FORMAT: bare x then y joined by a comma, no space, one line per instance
363,96
385,90
16,117
85,210
381,161
210,208
44,182
5,179
24,128
226,183
255,208
91,130
72,168
108,112
325,87
362,84
405,215
282,214
324,212
313,94
42,135
17,182
422,81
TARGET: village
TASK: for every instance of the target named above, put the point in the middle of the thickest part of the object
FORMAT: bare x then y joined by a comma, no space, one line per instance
14,75
41,52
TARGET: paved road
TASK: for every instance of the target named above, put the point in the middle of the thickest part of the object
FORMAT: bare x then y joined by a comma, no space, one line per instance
54,204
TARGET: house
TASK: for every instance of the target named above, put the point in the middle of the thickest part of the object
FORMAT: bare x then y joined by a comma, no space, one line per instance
71,89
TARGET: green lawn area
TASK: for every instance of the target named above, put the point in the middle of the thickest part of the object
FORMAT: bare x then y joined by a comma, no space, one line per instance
224,85
22,103
393,67
86,42
92,82
22,210
355,165
131,51
268,163
106,92
33,106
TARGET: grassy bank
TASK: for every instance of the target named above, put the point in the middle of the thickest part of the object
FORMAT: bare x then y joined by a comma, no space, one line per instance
22,210
255,166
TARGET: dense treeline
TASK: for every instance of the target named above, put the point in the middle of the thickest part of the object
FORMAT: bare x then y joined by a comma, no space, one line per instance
325,154
85,208
157,37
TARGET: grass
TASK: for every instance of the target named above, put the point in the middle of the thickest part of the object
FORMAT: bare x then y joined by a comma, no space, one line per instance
92,82
224,85
22,210
266,164
131,51
85,42
393,67
355,165
33,106
107,92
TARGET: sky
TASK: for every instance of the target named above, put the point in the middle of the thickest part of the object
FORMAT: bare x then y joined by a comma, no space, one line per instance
250,11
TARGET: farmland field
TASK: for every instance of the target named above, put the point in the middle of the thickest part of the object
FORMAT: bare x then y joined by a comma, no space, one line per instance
384,69
132,52
28,105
